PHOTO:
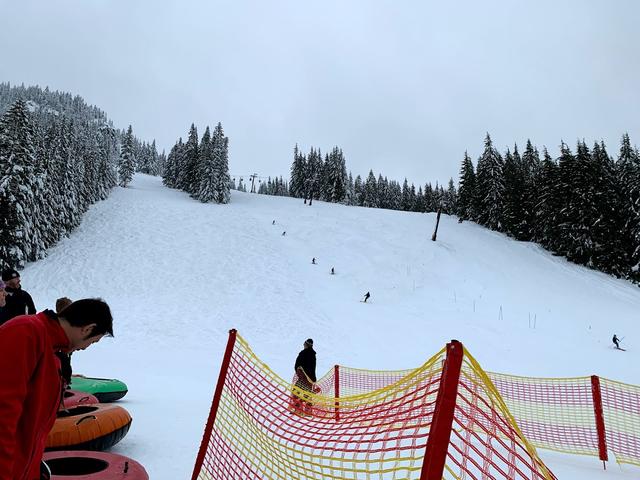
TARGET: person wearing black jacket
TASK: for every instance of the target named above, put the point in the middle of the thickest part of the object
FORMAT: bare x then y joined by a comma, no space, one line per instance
305,368
19,302
306,361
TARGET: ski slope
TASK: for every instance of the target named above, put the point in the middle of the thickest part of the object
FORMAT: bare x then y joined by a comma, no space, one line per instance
179,274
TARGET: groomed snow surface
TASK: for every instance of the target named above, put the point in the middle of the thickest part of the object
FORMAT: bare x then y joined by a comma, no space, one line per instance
179,274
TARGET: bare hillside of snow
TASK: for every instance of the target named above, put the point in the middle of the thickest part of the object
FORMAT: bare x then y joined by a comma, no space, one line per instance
179,274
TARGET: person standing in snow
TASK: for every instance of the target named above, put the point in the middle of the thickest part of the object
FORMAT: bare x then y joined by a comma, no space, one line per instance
305,368
30,383
313,260
19,302
333,272
306,362
366,297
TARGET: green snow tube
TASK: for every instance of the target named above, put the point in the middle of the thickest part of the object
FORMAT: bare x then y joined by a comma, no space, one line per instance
104,389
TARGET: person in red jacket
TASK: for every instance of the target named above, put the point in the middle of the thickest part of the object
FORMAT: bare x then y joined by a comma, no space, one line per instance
30,383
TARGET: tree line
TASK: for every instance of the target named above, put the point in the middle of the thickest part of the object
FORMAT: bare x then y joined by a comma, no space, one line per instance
583,205
58,156
314,177
200,168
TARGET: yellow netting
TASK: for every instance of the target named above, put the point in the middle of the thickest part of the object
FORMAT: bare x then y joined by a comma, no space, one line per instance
376,427
621,408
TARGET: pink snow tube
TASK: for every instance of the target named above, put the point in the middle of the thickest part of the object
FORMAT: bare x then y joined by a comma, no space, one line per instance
70,465
73,398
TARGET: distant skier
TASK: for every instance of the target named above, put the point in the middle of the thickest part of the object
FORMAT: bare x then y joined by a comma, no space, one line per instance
366,297
333,272
284,233
616,341
273,223
313,260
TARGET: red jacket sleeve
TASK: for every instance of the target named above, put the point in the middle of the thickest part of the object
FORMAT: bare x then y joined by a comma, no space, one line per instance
18,359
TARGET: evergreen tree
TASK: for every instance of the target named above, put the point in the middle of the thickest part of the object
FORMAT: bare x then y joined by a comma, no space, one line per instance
513,215
358,190
467,190
548,206
188,174
531,172
607,224
430,199
370,191
19,186
336,175
221,165
571,185
126,167
350,191
395,195
450,199
490,187
628,175
298,167
383,192
406,196
207,170
419,203
170,174
313,175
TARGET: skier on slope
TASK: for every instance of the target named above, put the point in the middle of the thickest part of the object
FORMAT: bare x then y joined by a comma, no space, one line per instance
616,341
366,297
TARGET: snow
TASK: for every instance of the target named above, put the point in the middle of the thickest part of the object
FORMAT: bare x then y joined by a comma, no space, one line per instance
179,274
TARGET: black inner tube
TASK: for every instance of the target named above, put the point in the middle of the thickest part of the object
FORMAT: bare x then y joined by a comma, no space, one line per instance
76,466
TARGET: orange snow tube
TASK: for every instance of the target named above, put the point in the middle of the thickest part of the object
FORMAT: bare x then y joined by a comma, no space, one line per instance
92,427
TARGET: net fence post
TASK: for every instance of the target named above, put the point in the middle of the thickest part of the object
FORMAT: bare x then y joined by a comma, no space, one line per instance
435,455
598,412
215,402
336,389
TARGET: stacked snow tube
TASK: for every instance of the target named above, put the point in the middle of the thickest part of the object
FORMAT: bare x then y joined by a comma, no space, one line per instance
104,389
93,427
93,466
73,398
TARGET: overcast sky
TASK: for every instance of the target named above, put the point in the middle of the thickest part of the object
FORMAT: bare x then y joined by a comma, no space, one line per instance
403,87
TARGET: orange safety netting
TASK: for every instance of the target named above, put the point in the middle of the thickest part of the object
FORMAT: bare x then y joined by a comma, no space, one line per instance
358,424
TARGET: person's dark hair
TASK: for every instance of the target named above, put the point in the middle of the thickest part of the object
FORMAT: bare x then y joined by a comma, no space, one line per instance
87,311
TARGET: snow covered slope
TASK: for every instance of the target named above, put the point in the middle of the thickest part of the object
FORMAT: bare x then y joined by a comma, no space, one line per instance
179,274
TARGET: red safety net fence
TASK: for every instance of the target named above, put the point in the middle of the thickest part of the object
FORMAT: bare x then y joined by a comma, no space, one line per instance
443,419
582,415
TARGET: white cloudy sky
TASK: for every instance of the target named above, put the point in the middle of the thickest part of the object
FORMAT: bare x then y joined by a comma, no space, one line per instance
404,87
